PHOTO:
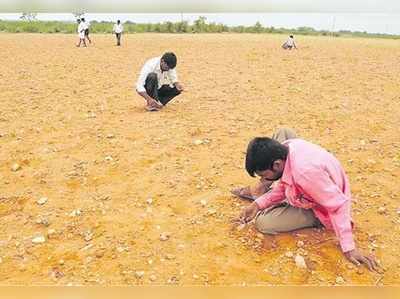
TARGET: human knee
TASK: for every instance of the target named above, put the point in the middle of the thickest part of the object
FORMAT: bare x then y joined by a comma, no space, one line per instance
265,224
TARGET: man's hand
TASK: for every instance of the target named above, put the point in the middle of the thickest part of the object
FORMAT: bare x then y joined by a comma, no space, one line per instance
153,103
179,86
249,213
358,258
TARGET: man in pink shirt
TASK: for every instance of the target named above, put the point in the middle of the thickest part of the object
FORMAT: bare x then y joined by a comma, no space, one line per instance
313,189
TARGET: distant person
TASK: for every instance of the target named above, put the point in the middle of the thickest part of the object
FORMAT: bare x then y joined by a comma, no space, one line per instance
289,44
118,29
86,27
81,33
158,82
313,191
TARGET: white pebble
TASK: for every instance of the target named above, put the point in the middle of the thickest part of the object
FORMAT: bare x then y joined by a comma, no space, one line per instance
164,236
203,202
139,274
38,240
300,262
289,254
108,158
42,200
382,210
198,142
152,278
15,167
149,201
300,244
340,280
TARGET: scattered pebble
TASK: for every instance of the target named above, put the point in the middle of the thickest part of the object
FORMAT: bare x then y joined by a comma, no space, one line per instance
61,262
360,271
15,167
139,274
42,201
170,257
109,136
75,213
149,201
164,236
289,254
300,244
39,240
51,232
198,142
382,210
340,280
203,202
108,158
300,262
152,278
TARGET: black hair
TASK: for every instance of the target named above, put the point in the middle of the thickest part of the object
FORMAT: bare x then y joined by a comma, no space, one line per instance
83,19
291,36
262,152
118,21
170,59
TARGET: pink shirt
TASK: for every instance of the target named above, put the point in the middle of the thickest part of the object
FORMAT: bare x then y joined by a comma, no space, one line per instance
314,179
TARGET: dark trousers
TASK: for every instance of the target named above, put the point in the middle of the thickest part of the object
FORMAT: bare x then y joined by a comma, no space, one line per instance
118,35
164,94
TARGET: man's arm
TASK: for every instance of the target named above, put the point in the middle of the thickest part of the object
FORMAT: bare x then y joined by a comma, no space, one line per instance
276,195
141,90
318,185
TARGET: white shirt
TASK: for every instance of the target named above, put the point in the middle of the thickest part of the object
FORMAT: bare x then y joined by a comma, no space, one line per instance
118,28
153,66
85,25
290,42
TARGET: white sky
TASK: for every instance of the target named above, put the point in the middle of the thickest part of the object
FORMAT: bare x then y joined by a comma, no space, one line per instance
370,22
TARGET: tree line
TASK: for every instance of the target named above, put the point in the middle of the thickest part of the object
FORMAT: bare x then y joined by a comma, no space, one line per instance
29,24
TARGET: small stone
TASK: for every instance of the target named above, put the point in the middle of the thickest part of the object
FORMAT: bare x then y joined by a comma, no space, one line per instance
75,213
39,240
109,136
42,200
108,158
15,167
289,254
300,244
360,271
203,202
61,262
382,210
211,212
51,232
149,201
152,278
170,257
198,142
300,262
164,236
195,276
139,274
340,280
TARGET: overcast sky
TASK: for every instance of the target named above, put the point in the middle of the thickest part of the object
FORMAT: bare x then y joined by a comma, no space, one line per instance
373,23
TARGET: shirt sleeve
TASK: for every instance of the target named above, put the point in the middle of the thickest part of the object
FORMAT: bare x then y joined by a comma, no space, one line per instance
173,76
142,78
320,187
276,195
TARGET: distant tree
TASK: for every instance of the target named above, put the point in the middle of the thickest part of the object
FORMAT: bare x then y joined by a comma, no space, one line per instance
258,28
28,16
200,24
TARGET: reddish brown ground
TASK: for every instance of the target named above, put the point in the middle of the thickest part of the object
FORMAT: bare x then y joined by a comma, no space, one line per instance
63,110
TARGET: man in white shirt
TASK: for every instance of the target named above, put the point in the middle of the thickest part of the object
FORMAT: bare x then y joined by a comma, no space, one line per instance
86,27
81,33
117,29
289,44
158,82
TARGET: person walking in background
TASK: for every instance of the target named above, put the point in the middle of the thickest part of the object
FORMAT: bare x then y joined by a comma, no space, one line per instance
81,33
289,44
158,82
86,27
118,29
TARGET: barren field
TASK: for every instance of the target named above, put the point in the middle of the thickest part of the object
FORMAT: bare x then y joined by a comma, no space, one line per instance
94,190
